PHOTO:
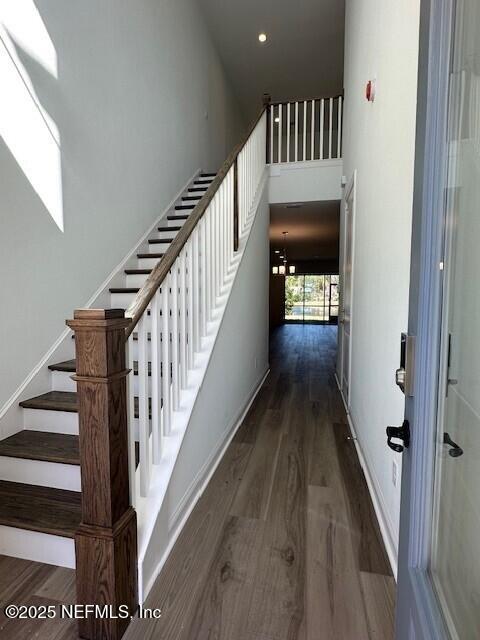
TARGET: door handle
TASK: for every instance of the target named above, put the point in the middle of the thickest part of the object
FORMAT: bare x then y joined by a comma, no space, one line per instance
399,433
455,450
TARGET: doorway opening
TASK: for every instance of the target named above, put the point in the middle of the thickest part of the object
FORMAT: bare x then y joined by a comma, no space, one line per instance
311,298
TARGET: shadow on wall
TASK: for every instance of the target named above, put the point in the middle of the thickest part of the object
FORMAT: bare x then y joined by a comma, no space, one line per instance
107,110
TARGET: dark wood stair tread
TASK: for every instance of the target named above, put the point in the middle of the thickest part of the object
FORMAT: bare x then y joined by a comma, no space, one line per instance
150,255
208,175
191,198
138,272
182,207
205,182
192,189
162,240
67,366
53,401
39,445
60,401
177,217
169,228
53,511
125,290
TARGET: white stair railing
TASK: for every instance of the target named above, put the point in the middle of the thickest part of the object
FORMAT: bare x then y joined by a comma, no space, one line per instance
305,130
171,314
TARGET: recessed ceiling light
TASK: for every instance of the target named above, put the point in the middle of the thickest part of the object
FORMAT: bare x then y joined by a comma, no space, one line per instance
262,37
277,119
277,250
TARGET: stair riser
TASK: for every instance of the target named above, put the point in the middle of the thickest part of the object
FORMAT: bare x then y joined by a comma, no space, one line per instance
147,263
40,473
137,280
37,547
177,223
121,300
166,235
62,381
57,421
195,202
161,247
53,421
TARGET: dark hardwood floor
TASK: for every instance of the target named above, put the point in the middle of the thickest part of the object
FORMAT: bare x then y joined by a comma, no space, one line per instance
283,544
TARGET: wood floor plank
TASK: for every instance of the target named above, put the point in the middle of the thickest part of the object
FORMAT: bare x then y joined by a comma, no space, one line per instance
223,605
277,607
370,550
333,599
255,489
379,597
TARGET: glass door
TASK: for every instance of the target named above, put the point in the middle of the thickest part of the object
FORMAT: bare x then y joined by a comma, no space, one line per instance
455,553
311,298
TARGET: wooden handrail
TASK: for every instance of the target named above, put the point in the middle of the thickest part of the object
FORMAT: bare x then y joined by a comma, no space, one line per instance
161,269
277,102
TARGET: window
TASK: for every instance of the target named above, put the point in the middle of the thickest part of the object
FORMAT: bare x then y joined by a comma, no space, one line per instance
311,298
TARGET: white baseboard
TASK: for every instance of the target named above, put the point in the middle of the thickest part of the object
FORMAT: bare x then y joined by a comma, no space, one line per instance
383,521
199,483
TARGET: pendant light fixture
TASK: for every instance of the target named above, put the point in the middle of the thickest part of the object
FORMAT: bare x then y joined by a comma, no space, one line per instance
283,268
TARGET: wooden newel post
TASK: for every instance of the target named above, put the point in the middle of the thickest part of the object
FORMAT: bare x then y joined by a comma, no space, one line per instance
106,542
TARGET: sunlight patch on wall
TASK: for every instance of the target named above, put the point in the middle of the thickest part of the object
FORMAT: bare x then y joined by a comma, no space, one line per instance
25,126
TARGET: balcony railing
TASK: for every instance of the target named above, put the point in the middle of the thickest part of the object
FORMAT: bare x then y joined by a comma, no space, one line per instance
305,130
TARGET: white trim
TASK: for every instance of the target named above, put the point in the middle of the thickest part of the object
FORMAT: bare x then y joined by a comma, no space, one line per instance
37,546
384,523
177,521
50,356
351,190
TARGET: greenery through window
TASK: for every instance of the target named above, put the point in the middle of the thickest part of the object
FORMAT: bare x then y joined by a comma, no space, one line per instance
311,298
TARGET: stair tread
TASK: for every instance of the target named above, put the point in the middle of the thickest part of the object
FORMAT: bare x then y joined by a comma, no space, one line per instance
40,445
53,401
169,228
124,289
149,255
184,207
138,272
191,198
207,181
161,240
67,365
53,511
197,189
177,217
208,175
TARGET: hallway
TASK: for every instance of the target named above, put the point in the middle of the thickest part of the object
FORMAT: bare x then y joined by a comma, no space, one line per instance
284,542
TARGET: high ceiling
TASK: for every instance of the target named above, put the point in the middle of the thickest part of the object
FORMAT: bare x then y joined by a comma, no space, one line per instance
303,55
313,230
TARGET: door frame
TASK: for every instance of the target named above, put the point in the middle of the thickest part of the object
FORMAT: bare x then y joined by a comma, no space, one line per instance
350,190
418,613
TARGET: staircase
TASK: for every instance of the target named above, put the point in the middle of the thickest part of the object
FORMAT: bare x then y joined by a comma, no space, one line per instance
40,489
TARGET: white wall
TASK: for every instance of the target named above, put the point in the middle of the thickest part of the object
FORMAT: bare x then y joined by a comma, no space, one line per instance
382,43
140,101
238,364
305,181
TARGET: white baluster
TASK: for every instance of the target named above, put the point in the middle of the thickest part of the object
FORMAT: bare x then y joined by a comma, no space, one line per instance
279,132
166,356
312,150
322,124
183,318
339,137
330,128
304,130
132,466
192,286
156,379
296,131
272,122
143,407
204,278
175,340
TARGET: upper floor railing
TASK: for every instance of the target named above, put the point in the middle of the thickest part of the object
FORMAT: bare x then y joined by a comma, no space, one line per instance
305,130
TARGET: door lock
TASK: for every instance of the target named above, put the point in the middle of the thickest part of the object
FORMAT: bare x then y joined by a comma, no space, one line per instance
399,433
